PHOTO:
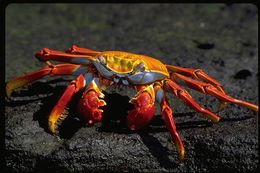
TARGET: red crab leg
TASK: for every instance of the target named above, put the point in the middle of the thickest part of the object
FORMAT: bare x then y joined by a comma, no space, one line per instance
186,97
198,74
89,104
62,69
143,111
81,51
46,55
166,113
211,90
56,114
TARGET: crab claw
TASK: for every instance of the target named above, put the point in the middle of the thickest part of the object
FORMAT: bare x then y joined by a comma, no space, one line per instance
143,110
89,104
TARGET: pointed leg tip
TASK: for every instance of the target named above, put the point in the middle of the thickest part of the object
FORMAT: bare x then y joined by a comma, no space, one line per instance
216,120
182,156
55,119
181,152
52,128
8,90
246,104
255,108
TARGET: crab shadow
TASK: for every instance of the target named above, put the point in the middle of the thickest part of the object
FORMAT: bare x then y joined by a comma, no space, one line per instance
114,120
36,91
48,93
71,124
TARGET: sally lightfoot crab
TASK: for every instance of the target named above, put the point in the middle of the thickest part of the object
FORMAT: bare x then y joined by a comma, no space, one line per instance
95,71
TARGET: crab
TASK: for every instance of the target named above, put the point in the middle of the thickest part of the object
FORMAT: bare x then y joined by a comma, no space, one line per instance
149,77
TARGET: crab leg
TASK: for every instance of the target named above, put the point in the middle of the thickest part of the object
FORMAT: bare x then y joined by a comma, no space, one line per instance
166,113
198,74
61,69
56,114
143,111
81,51
89,104
46,55
211,90
186,97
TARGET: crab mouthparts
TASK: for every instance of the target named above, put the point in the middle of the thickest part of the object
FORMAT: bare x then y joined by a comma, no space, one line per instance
120,79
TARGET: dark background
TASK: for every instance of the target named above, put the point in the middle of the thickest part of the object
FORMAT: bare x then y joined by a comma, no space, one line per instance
222,39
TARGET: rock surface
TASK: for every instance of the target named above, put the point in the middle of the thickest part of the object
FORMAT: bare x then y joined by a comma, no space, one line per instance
219,38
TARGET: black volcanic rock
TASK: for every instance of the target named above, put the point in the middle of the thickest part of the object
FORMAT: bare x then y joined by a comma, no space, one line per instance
164,31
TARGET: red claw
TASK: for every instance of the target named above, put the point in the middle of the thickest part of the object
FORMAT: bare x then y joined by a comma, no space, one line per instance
88,107
143,110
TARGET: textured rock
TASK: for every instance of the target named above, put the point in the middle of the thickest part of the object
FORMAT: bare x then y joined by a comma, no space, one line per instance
220,39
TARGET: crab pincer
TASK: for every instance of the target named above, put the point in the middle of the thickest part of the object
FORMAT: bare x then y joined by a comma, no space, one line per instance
88,105
143,110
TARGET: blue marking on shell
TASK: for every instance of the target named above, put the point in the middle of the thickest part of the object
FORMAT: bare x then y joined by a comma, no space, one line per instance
136,78
88,78
96,80
146,77
140,67
82,61
79,71
141,77
152,76
102,70
159,95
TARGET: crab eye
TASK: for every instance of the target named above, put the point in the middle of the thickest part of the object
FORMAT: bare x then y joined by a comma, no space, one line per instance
102,59
140,67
